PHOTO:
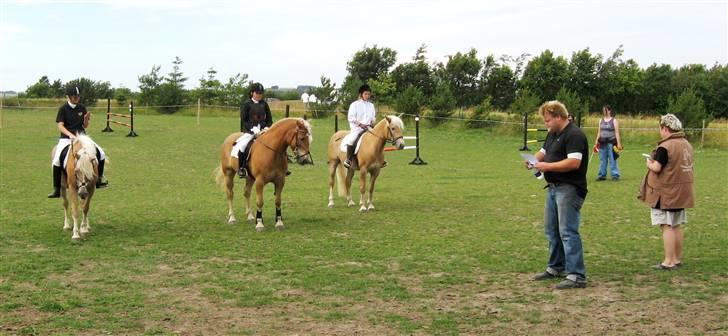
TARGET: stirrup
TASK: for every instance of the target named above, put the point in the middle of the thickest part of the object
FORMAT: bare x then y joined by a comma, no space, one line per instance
347,163
55,194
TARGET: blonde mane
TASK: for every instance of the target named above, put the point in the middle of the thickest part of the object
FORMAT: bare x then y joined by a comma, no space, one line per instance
86,150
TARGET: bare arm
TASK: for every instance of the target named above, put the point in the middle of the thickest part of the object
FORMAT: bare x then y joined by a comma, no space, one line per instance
62,129
616,134
654,166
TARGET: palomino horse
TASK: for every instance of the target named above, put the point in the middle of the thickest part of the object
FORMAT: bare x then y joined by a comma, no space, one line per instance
79,184
268,163
369,159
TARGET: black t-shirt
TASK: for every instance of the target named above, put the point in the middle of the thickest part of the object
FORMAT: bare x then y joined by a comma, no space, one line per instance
661,156
72,118
558,146
254,114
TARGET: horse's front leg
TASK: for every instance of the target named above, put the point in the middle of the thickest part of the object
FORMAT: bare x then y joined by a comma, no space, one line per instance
85,227
374,176
332,180
259,203
248,188
66,222
74,213
279,215
363,189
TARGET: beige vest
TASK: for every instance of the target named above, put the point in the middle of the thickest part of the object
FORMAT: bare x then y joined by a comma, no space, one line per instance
673,185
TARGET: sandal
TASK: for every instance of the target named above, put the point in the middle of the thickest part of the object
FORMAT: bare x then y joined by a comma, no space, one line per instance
660,266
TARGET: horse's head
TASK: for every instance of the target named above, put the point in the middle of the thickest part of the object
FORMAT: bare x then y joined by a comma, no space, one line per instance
395,129
301,142
84,154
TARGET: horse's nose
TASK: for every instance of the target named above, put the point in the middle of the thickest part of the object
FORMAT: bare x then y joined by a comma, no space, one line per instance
400,144
83,194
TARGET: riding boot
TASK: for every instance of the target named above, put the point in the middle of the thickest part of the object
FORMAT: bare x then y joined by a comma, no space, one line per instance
101,183
57,171
242,172
349,155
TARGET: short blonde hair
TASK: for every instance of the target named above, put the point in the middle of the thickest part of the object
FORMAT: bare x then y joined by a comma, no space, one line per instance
554,108
671,122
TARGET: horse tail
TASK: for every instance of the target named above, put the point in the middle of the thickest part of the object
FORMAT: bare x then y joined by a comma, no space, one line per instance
341,180
219,177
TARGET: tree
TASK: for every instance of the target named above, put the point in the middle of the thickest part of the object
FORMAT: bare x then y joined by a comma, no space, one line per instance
56,89
480,113
545,75
583,78
383,89
442,103
461,73
417,73
574,104
367,64
235,90
149,85
122,94
41,89
689,108
410,101
209,89
526,103
498,83
656,88
172,92
326,94
717,101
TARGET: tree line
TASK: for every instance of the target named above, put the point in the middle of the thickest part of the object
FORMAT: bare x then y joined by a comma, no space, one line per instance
584,82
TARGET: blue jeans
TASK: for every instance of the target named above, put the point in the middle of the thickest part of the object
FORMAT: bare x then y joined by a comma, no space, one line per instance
606,154
561,225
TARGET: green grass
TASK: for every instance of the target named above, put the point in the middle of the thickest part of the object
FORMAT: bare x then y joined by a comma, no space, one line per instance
448,250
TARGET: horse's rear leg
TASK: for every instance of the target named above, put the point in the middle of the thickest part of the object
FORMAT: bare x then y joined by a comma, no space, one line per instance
259,203
230,193
279,215
247,192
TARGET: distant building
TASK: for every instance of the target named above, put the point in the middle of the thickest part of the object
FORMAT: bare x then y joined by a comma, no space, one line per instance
304,88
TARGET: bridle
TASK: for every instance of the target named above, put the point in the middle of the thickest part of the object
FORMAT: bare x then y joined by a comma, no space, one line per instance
390,139
299,142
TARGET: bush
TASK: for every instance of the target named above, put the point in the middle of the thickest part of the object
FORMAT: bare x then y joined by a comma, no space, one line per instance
690,109
481,112
409,101
442,104
526,103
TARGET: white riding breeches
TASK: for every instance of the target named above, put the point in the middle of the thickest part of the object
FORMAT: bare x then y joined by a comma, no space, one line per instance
62,143
349,139
240,144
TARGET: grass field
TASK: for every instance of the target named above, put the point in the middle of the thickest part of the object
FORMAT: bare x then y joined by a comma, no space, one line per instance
449,250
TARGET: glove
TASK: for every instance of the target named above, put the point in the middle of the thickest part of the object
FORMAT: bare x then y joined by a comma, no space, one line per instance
255,130
595,149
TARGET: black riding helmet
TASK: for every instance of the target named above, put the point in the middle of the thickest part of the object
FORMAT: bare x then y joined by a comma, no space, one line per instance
364,88
257,87
73,91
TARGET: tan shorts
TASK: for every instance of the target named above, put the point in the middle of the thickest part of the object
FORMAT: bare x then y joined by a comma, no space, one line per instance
672,218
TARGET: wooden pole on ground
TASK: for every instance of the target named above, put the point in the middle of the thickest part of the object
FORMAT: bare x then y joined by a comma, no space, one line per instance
198,111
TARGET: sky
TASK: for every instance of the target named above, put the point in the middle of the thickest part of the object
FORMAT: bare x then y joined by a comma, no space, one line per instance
290,43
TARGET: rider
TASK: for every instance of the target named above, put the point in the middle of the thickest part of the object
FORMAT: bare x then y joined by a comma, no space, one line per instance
361,117
72,119
255,117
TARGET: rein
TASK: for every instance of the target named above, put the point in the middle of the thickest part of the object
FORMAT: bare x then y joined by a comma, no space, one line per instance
283,153
391,139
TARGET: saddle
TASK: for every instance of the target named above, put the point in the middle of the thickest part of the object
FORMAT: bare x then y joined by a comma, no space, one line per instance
63,157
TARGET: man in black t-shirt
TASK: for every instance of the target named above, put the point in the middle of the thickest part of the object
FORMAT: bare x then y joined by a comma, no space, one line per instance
563,159
72,119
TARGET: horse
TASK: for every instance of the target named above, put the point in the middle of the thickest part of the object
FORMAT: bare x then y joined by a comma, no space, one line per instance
78,186
369,159
268,163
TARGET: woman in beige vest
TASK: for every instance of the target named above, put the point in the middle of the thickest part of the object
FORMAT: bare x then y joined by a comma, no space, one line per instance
668,188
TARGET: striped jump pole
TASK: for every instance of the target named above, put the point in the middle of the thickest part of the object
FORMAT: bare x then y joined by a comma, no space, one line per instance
526,141
130,116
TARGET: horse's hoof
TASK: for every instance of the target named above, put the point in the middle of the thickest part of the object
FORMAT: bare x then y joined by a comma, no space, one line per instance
251,218
331,204
371,207
351,204
259,228
232,221
67,228
280,227
363,209
76,238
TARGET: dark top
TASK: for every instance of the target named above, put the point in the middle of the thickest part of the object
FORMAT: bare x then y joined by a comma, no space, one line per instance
558,146
72,118
660,156
254,114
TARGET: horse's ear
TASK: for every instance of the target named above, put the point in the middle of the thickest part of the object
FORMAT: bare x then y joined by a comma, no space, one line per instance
389,120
